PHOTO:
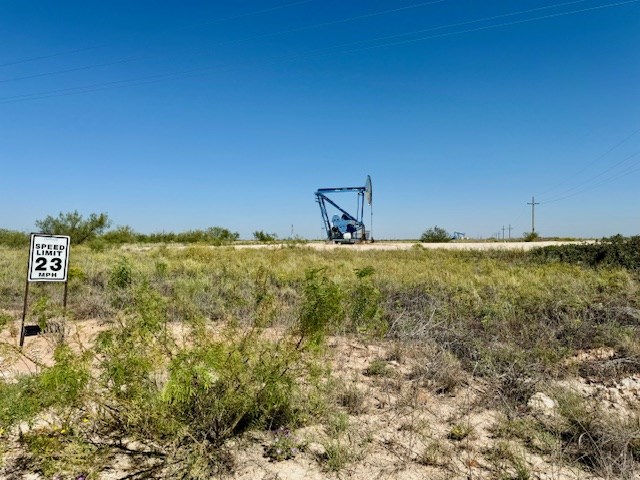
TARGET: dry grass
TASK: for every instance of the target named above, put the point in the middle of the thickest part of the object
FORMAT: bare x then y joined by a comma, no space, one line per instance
425,348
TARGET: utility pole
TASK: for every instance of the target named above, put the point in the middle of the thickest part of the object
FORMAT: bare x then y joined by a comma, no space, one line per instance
533,204
503,229
510,228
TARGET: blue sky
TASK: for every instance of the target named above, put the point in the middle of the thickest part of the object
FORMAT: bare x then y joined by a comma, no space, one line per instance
181,115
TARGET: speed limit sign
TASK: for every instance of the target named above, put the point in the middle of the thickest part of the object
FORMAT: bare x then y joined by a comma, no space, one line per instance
48,258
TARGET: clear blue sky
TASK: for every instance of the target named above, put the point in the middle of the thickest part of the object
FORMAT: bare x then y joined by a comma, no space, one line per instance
180,115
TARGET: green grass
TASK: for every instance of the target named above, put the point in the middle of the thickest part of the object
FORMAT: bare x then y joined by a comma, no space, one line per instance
257,321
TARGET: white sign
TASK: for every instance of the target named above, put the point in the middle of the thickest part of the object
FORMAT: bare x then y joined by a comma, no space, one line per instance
48,258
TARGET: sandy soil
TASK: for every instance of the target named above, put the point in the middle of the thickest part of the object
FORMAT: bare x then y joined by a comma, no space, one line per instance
400,428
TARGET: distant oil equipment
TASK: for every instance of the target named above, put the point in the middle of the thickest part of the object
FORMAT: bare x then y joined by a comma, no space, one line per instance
344,227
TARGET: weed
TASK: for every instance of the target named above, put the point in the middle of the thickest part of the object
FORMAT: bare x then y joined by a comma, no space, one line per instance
59,451
161,268
352,399
508,464
121,275
322,308
460,431
61,385
532,433
604,442
365,314
337,424
439,369
435,454
378,368
5,319
338,455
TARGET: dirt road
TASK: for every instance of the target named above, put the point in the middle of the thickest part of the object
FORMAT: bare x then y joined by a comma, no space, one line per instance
408,245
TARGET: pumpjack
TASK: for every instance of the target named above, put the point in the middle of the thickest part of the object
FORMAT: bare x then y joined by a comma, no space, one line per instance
345,227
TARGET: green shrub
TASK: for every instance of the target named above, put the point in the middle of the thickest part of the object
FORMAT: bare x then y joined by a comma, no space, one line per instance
322,308
193,398
61,385
378,367
75,225
213,236
364,308
121,235
435,235
264,237
18,401
62,451
616,251
13,238
121,275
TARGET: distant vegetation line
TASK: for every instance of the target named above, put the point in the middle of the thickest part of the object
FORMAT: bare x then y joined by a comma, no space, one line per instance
94,231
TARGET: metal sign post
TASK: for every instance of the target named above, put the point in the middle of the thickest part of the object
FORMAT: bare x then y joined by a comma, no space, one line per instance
48,262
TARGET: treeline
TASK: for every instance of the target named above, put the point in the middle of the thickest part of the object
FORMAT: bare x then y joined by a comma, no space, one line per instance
212,235
13,238
125,234
94,231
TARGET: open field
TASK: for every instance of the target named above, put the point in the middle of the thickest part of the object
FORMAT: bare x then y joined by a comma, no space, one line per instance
378,361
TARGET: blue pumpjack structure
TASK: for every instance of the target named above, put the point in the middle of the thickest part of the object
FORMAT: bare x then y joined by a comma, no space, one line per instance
345,228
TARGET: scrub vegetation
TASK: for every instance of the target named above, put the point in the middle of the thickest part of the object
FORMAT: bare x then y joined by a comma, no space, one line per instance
435,235
200,352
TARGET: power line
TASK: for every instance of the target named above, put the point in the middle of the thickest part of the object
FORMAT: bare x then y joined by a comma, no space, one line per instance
179,74
254,37
595,177
57,54
524,209
240,15
628,171
516,22
468,22
588,165
68,70
339,21
218,20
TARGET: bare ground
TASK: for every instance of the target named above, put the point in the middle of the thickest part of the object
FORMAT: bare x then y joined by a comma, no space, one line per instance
388,427
431,246
390,245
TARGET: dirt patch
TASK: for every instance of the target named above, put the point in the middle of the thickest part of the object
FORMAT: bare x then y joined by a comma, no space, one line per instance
385,424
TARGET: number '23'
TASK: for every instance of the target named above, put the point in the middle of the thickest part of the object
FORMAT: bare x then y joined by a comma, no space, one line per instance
55,264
